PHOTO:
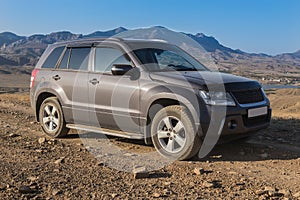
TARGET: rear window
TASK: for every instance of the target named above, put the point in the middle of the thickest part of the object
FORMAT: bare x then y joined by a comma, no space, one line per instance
52,59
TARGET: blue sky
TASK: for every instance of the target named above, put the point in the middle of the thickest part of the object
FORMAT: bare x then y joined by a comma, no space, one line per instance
260,26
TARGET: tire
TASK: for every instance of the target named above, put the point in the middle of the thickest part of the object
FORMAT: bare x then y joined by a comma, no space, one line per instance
173,133
51,118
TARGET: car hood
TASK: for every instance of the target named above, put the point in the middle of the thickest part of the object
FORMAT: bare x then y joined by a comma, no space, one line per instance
205,80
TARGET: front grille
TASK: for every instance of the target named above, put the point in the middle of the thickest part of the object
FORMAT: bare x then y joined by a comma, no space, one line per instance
248,96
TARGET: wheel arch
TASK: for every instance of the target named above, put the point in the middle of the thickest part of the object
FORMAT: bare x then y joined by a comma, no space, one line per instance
41,97
164,102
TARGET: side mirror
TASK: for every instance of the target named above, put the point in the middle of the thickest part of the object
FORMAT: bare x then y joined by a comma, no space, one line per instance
120,69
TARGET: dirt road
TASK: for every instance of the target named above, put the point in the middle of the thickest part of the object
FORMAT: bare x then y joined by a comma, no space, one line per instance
266,166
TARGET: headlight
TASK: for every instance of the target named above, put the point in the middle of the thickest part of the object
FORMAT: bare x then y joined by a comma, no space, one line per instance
217,98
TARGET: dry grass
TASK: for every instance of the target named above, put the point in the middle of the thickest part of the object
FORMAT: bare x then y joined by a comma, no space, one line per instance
285,103
14,80
17,97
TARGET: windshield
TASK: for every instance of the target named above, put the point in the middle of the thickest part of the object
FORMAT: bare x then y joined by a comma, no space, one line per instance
155,59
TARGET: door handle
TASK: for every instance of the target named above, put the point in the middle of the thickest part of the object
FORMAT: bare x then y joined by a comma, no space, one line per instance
94,81
56,77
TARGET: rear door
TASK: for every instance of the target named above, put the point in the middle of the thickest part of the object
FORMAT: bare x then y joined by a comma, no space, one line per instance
114,99
71,78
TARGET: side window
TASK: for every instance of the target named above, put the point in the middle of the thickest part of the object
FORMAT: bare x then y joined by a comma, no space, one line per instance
52,59
107,57
79,58
64,62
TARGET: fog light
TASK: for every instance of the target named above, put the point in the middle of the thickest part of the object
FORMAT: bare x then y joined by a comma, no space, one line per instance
232,124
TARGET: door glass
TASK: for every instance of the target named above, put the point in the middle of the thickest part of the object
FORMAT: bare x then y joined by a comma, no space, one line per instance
107,57
79,58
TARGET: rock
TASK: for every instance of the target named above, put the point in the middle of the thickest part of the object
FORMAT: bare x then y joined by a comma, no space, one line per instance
56,192
208,184
167,192
59,161
156,195
264,155
114,195
42,140
26,190
296,195
285,193
3,186
167,183
260,192
239,183
232,173
13,135
271,191
101,163
52,141
140,172
267,188
32,178
199,171
217,156
129,154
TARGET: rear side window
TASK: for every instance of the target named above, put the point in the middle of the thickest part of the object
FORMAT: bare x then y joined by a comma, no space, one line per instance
79,58
52,59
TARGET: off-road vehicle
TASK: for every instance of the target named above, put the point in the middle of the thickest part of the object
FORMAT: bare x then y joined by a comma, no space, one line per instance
141,89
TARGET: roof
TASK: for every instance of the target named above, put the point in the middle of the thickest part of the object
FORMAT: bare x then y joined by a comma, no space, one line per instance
115,39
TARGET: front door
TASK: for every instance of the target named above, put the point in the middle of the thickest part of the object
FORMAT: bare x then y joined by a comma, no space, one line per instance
114,99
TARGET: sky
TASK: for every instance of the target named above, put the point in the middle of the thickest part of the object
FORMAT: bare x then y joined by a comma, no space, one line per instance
254,26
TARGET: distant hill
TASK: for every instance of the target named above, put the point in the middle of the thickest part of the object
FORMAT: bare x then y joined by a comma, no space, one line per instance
7,38
20,51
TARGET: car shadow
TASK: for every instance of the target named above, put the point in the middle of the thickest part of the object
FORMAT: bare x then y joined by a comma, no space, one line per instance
280,141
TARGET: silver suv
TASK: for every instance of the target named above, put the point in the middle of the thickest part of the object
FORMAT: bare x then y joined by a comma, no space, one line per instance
141,89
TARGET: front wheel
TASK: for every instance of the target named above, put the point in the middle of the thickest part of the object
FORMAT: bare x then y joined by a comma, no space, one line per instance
51,118
173,133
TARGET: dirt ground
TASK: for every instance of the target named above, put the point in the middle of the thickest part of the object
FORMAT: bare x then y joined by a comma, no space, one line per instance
264,166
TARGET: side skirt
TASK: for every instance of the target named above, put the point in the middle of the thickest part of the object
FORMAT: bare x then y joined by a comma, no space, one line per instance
106,131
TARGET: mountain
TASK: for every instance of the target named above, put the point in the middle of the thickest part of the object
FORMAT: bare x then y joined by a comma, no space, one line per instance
106,33
8,37
295,55
20,50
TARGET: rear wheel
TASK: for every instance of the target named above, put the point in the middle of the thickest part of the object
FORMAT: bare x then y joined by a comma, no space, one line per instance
51,118
173,133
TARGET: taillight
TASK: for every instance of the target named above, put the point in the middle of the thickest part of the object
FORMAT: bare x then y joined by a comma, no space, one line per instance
33,75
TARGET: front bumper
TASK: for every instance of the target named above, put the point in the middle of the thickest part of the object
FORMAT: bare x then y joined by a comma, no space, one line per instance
236,121
241,124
